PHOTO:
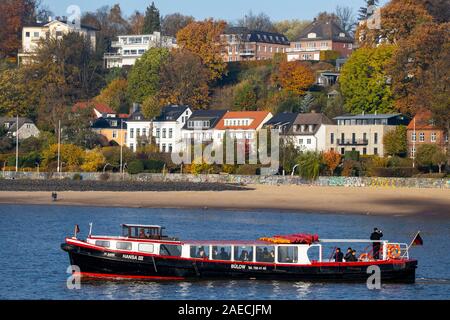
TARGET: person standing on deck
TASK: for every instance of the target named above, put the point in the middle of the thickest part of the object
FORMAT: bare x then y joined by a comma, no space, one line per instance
338,256
376,235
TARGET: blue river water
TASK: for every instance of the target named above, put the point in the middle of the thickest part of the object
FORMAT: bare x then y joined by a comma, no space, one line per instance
33,266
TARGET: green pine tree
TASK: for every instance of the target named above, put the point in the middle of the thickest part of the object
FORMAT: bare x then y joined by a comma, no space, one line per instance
152,20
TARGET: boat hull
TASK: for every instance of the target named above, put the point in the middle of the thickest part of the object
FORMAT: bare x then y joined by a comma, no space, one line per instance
109,264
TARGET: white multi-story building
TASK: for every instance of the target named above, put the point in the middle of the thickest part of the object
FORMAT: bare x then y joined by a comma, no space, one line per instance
167,127
129,48
33,34
138,130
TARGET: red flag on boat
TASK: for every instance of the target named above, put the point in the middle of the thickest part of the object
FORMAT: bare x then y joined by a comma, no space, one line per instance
417,240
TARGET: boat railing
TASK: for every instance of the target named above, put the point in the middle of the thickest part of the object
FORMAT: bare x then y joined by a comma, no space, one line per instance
395,251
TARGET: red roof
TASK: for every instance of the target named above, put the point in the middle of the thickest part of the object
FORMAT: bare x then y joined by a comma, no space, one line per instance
100,107
257,118
422,121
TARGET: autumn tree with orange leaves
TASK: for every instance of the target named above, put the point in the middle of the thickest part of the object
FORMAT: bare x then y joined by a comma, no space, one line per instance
331,159
294,77
203,39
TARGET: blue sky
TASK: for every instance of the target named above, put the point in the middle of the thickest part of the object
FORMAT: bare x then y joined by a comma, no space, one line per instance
230,10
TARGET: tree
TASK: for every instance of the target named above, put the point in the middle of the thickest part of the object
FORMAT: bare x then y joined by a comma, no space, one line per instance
93,160
152,20
115,95
292,29
346,18
151,107
137,22
203,39
295,77
419,65
395,142
399,19
245,97
260,22
364,81
172,23
76,129
288,154
438,9
144,77
71,156
309,165
306,103
429,155
331,159
184,80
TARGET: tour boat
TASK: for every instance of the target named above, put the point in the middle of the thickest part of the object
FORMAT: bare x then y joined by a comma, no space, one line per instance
143,252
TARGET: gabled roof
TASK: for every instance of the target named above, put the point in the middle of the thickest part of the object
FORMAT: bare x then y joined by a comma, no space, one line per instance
171,113
47,23
284,119
213,116
100,107
12,122
312,118
258,36
423,120
325,30
257,116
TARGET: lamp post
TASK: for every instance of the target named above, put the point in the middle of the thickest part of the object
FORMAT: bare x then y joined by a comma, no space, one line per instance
59,146
17,143
104,168
293,169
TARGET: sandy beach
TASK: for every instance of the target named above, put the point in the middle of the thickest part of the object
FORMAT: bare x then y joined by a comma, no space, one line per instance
376,201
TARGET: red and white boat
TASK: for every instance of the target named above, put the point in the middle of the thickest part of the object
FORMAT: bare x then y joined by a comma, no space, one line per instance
143,252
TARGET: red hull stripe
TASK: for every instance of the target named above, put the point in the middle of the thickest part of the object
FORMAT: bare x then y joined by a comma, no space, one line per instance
314,264
120,276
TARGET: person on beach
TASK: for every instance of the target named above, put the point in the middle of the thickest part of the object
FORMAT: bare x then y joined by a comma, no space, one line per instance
338,255
376,235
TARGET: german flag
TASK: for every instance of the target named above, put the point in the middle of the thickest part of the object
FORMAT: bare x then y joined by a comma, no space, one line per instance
417,240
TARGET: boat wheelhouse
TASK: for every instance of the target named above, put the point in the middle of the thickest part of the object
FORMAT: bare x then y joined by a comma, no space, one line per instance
143,252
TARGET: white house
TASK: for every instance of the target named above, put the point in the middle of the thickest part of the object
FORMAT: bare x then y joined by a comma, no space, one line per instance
168,125
26,130
200,127
138,128
32,35
129,48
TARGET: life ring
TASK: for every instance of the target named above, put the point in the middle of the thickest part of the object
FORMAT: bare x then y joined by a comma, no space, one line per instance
365,257
394,251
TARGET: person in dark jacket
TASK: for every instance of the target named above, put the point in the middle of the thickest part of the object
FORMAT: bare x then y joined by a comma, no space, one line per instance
338,255
376,235
348,254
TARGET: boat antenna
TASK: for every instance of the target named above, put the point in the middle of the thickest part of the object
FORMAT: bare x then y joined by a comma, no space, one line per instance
90,228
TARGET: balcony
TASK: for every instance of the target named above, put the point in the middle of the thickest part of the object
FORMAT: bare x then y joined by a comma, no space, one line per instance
247,53
351,142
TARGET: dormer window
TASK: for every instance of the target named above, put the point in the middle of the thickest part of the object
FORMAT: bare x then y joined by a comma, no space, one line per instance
312,35
342,35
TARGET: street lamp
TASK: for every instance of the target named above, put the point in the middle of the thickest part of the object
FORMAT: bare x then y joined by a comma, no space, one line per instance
104,168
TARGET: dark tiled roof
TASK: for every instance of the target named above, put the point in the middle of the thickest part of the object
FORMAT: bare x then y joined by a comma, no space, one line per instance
213,116
258,36
12,121
137,116
285,119
315,119
171,113
109,123
325,30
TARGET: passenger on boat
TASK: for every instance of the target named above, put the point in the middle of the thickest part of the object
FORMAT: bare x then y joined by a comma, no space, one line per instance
348,254
244,256
267,256
215,253
376,235
338,255
142,234
353,257
223,254
201,253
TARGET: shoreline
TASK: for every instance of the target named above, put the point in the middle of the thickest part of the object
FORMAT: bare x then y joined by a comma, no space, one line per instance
305,199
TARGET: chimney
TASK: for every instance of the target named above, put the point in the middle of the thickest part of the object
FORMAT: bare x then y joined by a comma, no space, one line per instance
135,108
50,19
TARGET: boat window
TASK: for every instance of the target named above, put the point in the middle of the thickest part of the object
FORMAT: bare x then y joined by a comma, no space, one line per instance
123,245
146,247
265,254
170,250
243,253
287,254
104,244
221,252
201,252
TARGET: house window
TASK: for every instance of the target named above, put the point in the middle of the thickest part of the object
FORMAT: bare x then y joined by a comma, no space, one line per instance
300,141
365,137
433,137
170,148
144,132
158,132
413,152
36,35
375,151
164,133
170,133
132,147
114,134
138,132
308,141
353,137
421,137
342,151
131,133
414,136
163,147
375,138
332,138
27,34
364,151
